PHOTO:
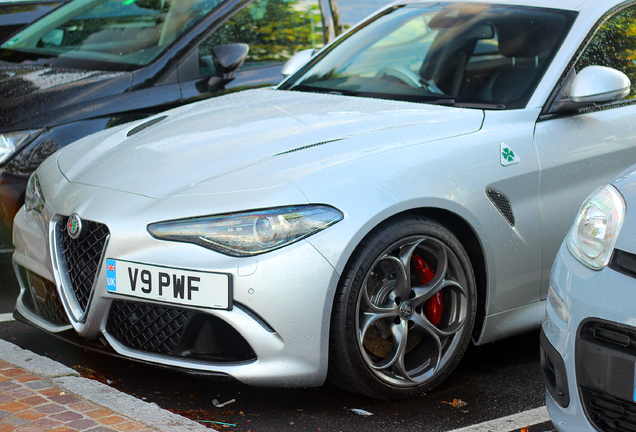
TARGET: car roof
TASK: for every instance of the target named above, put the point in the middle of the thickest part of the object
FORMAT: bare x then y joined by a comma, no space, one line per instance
573,5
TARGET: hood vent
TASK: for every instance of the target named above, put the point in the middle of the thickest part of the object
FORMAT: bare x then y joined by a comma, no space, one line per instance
501,203
309,146
143,126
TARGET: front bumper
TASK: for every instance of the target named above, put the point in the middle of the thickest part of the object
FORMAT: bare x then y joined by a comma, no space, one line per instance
275,334
596,348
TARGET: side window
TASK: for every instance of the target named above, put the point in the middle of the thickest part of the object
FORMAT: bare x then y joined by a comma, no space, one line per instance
347,13
275,30
618,32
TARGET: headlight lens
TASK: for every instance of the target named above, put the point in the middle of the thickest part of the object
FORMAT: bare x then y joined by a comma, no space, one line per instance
10,142
593,235
33,197
249,233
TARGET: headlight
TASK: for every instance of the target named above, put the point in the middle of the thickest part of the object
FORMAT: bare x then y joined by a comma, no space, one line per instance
593,235
10,142
33,197
249,233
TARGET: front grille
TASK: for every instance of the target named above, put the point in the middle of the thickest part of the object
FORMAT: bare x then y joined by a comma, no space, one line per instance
623,262
42,298
607,413
176,332
605,353
610,335
80,258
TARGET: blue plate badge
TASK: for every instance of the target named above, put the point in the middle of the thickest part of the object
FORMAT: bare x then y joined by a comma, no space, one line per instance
111,282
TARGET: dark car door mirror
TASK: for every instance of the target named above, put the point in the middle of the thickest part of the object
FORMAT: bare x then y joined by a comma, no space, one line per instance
227,60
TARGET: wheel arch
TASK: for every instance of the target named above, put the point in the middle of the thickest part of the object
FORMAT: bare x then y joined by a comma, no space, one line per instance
455,225
468,238
470,241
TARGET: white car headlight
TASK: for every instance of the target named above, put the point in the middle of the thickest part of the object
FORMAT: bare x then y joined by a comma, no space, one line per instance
33,197
249,233
10,142
593,235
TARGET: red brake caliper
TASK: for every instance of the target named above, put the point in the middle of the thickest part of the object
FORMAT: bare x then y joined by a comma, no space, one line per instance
433,306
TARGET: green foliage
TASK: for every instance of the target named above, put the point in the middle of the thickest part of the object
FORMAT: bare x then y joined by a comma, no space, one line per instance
614,45
274,29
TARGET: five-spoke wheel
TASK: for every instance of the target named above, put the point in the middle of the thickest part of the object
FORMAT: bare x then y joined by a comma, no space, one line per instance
404,311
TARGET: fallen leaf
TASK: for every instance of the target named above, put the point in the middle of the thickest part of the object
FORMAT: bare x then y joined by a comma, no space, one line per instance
525,429
456,403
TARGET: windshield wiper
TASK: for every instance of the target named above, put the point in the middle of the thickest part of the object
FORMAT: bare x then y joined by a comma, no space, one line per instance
447,102
492,106
453,102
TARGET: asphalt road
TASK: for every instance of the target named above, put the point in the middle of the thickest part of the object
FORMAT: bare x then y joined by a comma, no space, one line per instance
493,381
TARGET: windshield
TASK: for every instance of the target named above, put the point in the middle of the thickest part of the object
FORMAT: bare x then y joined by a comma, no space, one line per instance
124,32
472,55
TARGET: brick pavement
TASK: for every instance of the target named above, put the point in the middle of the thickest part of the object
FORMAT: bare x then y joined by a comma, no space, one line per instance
29,403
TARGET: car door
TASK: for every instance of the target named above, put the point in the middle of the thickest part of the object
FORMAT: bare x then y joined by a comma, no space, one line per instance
580,151
274,30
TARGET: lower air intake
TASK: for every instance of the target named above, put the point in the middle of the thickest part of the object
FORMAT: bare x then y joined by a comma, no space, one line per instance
42,298
608,413
176,332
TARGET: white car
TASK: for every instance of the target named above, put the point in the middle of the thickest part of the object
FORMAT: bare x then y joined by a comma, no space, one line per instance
588,338
403,192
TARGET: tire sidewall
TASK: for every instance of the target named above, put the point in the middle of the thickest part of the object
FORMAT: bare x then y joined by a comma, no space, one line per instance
361,262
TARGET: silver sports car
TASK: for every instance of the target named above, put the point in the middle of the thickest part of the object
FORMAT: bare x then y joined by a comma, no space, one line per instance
403,192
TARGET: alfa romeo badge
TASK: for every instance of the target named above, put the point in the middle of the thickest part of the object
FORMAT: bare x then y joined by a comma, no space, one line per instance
74,226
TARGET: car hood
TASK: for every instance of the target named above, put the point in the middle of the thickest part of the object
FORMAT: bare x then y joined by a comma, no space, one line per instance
37,96
195,147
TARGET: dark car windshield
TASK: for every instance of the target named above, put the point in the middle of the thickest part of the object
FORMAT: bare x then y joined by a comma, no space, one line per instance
132,32
472,55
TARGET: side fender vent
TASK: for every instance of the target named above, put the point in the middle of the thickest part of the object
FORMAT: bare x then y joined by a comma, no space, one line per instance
143,126
501,203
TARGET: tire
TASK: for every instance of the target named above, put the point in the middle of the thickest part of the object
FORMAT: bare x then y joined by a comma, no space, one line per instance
384,342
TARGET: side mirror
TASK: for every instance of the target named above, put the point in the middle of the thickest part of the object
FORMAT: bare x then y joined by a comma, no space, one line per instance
227,60
297,61
592,85
53,38
599,84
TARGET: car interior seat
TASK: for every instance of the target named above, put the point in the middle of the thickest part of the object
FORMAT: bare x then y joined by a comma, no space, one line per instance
525,44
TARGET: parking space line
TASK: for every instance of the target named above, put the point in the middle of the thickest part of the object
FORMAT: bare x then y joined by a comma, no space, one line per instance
511,422
5,317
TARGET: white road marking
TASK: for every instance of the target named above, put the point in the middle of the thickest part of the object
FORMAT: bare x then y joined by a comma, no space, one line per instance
510,423
6,317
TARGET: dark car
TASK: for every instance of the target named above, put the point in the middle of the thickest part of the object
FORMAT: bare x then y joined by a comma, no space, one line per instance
17,14
90,65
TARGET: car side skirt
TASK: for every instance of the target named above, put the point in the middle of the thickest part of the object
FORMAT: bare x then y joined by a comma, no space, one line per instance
511,322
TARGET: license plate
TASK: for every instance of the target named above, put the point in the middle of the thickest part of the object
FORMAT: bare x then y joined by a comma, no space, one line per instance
170,285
